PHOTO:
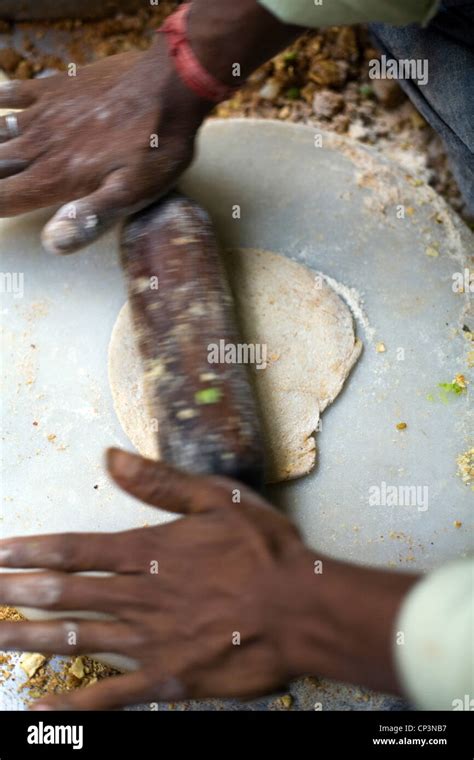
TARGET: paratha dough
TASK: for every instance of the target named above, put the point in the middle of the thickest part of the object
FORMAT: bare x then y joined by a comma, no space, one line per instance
311,348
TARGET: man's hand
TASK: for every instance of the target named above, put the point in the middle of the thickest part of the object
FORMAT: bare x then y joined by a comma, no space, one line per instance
105,142
198,603
117,135
227,602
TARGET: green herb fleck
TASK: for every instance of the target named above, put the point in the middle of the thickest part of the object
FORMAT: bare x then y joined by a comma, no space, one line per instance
291,56
208,396
453,387
293,93
366,90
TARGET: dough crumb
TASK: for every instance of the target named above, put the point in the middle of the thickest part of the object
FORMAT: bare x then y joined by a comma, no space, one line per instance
284,703
77,668
31,662
465,464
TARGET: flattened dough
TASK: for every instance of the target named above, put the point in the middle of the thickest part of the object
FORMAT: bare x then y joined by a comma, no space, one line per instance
311,348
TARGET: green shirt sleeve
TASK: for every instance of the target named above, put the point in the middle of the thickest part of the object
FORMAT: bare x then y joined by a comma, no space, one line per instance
317,13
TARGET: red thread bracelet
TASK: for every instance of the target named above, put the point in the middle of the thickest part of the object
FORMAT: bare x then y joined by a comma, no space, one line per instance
193,74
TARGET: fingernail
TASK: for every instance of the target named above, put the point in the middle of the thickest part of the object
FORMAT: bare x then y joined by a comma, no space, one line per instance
60,236
111,457
42,708
122,464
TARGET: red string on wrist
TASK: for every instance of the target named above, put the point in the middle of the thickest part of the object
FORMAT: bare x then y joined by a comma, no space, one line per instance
193,74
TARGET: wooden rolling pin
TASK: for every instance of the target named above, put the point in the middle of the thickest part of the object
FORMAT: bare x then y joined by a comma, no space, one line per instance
181,307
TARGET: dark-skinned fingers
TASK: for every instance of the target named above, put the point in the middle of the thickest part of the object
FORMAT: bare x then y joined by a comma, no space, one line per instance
72,552
109,694
14,125
61,591
69,637
12,166
29,190
9,127
227,487
18,93
159,484
250,682
80,222
16,156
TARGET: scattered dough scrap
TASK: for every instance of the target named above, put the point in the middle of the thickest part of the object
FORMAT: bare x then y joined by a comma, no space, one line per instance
31,662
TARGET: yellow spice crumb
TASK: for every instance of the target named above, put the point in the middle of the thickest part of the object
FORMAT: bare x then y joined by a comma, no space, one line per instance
31,662
465,464
77,668
284,702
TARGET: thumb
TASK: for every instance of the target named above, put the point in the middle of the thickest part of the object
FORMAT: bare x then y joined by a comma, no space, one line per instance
83,221
161,485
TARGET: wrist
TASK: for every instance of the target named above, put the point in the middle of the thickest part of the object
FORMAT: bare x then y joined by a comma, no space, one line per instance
180,107
214,45
338,620
233,39
194,75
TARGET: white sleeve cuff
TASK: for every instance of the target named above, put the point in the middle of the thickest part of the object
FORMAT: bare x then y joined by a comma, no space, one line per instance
433,640
310,13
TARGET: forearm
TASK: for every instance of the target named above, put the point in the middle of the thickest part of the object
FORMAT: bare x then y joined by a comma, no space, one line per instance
342,621
225,32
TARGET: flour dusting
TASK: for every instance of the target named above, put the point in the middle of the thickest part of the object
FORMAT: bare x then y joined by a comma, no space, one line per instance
354,301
